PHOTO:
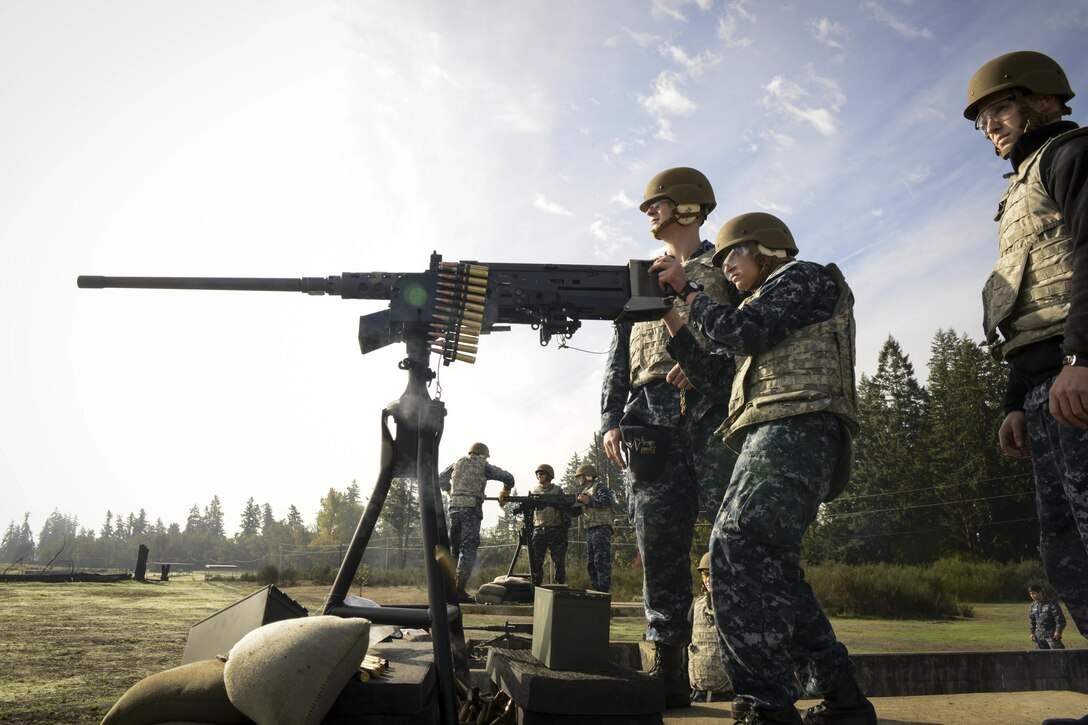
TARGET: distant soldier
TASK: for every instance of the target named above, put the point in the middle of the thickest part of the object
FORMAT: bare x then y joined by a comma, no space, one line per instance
1046,620
709,681
465,481
549,529
596,500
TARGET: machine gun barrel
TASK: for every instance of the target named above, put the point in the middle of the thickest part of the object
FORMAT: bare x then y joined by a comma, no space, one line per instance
452,303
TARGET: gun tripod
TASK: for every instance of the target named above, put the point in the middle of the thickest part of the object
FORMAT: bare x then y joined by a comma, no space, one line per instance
413,452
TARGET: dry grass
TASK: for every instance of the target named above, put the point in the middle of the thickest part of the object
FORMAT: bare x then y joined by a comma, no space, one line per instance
68,651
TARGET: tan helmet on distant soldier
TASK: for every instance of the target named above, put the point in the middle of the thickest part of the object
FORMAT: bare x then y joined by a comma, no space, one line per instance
1023,70
586,469
704,563
687,188
548,470
479,449
768,231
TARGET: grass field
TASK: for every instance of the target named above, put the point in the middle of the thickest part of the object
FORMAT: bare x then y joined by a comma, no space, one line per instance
68,651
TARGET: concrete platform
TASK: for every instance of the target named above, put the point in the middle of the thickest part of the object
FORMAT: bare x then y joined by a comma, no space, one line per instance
1006,708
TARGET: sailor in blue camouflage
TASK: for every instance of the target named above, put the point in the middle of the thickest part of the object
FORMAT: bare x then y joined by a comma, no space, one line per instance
465,481
791,415
664,508
550,526
1046,620
596,499
1035,302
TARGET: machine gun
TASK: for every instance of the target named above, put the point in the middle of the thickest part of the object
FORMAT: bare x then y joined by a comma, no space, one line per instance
525,506
441,311
456,302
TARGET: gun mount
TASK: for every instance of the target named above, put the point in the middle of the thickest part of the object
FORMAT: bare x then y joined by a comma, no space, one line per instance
442,311
456,302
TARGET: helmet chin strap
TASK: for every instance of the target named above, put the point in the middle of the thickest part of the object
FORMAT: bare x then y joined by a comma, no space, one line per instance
682,214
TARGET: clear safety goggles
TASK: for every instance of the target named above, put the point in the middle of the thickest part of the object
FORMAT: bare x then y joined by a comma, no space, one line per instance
741,250
1000,110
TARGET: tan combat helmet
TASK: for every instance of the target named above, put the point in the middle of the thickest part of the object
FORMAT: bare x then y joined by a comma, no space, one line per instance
548,470
479,449
1024,69
687,188
704,563
586,469
768,231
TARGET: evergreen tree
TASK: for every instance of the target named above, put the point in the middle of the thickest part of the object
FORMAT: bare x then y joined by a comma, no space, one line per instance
57,531
18,542
251,519
294,518
400,519
139,524
983,493
194,523
267,519
107,528
213,518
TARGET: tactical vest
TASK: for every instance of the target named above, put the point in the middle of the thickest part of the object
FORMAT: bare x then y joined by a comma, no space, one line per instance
649,358
595,515
705,668
811,371
468,481
549,516
1026,298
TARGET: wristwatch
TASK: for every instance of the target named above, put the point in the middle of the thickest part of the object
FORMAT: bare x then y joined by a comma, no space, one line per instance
1080,361
690,287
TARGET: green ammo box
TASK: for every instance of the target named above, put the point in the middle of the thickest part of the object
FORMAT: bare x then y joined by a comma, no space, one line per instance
570,628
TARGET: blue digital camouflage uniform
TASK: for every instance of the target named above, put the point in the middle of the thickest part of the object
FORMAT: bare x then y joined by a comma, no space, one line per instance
599,540
464,520
779,642
1046,619
549,535
664,509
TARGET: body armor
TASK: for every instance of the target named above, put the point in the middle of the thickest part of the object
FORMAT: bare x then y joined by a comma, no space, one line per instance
595,515
1026,298
468,481
550,516
649,358
705,667
811,371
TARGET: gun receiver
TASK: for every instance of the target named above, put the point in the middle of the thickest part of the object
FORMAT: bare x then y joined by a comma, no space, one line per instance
456,302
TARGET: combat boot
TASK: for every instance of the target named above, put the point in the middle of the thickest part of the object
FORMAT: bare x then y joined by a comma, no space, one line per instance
845,705
668,666
787,715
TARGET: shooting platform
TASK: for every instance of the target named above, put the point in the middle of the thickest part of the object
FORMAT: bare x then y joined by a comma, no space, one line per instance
548,697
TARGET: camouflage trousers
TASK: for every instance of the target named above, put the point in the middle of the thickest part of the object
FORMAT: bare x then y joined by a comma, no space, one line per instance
465,540
599,557
1045,640
664,511
1059,457
779,643
549,539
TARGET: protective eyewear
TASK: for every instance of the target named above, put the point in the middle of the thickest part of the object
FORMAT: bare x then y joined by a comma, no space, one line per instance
1000,110
741,250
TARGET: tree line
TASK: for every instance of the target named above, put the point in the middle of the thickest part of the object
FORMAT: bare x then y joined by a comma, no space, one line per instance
929,481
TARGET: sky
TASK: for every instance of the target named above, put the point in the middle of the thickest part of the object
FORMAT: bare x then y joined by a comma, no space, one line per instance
299,139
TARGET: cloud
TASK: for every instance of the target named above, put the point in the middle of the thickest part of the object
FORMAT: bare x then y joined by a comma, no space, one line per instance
667,100
609,240
646,40
781,140
623,200
549,207
827,32
694,67
783,95
727,24
668,8
882,15
773,207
